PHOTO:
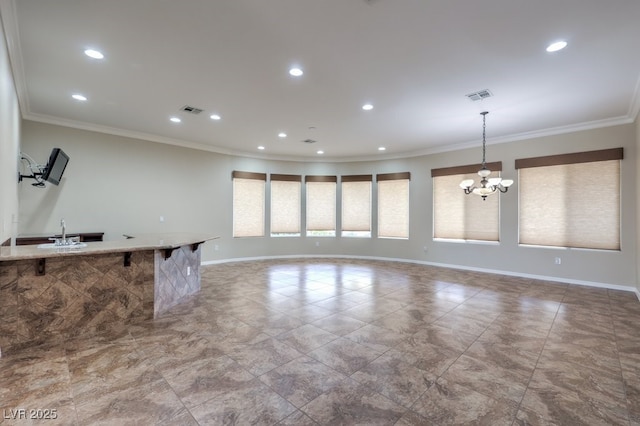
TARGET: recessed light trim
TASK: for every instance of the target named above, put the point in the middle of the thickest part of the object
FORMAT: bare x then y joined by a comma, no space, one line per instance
215,117
296,72
367,107
556,46
261,148
320,152
95,54
282,135
175,120
382,148
79,97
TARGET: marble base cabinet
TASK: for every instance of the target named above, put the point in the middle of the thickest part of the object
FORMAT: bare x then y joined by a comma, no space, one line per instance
44,300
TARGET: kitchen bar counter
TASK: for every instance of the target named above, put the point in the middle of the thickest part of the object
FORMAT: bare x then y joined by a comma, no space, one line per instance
54,294
135,243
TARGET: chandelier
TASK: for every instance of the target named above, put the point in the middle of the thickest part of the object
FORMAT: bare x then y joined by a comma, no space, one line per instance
487,186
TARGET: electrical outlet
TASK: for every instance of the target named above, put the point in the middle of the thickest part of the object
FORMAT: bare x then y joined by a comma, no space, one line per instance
188,270
425,248
161,219
317,243
558,261
216,247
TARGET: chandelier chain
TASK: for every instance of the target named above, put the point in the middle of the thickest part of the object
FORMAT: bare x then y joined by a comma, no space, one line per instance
484,138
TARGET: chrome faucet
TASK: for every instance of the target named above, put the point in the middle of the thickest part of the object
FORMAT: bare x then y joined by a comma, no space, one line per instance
63,240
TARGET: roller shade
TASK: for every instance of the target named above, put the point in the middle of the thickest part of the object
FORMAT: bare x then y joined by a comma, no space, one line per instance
248,204
571,200
285,204
321,204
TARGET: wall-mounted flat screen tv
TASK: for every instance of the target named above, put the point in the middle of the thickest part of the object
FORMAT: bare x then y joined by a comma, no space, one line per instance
55,167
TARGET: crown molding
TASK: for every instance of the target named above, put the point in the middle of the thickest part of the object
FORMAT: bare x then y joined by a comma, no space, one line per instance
554,131
47,119
91,127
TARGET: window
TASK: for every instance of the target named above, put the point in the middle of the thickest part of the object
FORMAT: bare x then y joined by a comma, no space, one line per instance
248,204
321,206
464,217
571,200
393,205
285,205
356,206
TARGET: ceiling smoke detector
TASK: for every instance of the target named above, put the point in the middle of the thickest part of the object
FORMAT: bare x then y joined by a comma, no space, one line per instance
479,95
191,109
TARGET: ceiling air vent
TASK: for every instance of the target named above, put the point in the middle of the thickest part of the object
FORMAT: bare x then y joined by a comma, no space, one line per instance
309,141
191,110
479,95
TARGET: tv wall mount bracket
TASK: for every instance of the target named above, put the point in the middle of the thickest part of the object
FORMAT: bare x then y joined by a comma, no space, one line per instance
37,170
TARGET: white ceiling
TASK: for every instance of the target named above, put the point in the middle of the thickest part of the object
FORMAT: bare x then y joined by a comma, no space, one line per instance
414,60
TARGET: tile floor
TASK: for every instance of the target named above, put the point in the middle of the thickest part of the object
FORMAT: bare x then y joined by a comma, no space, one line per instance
342,342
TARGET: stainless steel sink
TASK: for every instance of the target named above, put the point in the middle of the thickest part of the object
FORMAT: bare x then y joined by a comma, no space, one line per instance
66,246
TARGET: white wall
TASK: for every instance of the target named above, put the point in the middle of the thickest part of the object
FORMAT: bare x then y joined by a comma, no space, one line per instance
121,185
9,145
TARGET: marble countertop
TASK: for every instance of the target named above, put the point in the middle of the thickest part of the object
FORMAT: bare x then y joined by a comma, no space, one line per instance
139,242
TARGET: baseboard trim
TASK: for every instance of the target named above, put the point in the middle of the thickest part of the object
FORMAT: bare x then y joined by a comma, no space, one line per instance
442,265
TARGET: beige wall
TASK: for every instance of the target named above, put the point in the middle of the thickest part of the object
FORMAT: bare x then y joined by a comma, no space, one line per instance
9,145
120,185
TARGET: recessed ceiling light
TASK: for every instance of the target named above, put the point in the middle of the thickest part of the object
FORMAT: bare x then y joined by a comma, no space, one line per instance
261,147
382,148
558,45
367,107
95,54
215,117
79,97
320,152
282,135
175,120
296,72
